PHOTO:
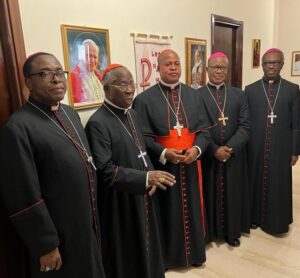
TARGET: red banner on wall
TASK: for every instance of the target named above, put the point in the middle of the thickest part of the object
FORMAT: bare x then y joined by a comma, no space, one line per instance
146,53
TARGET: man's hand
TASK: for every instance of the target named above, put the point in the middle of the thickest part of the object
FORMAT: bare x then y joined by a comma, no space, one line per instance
190,155
51,261
223,153
160,179
294,160
174,156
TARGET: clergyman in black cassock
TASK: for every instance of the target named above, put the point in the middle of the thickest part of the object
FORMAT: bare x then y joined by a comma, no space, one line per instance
131,246
224,164
274,145
175,122
48,184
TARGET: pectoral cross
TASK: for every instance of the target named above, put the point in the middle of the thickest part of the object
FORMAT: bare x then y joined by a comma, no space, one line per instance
178,126
142,155
223,119
89,159
272,116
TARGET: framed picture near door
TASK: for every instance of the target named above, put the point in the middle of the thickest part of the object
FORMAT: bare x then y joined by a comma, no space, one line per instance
255,53
195,59
295,63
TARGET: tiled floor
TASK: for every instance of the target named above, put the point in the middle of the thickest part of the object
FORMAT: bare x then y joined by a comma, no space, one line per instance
260,255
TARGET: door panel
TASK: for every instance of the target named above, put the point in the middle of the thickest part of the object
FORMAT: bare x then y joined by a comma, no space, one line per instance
227,37
4,93
223,36
12,56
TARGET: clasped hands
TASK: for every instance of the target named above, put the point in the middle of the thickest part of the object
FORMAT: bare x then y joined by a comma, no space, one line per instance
175,156
161,179
223,153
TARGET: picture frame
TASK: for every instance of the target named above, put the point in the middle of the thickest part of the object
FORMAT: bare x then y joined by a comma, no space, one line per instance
295,70
196,51
86,54
255,53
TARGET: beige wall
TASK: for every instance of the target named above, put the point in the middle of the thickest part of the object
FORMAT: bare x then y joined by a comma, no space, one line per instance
289,34
41,22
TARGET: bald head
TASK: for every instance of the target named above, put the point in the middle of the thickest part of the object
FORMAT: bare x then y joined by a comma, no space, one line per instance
165,54
169,66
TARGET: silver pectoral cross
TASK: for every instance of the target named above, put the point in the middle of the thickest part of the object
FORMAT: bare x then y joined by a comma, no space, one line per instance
178,126
142,155
89,159
272,116
223,119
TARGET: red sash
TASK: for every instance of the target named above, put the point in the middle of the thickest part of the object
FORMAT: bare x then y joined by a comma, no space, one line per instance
183,142
173,141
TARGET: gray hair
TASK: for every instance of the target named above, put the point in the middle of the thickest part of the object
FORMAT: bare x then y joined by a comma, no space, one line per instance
92,43
109,77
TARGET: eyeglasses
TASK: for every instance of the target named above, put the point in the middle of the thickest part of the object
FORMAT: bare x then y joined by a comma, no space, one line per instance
271,63
221,68
49,75
125,87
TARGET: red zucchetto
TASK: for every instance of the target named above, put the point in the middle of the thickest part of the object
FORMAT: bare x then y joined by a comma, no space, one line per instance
109,68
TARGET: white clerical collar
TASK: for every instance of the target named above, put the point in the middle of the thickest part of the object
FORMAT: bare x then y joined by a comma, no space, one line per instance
217,86
55,107
272,80
172,86
116,106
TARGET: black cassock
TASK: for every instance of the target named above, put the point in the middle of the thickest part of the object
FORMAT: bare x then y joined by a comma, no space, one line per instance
49,190
181,212
226,189
130,240
270,149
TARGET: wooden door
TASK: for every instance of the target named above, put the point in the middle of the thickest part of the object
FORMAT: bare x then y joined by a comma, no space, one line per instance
227,37
4,95
12,95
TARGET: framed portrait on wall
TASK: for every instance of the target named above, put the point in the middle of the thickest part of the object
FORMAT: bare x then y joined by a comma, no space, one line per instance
255,53
86,55
295,63
195,58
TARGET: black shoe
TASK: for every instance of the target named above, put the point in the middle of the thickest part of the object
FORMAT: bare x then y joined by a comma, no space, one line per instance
253,226
235,242
197,265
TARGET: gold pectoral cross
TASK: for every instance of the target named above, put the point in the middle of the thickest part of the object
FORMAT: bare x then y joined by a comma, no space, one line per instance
223,119
272,116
